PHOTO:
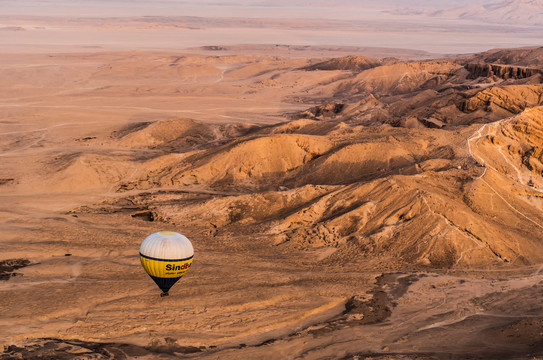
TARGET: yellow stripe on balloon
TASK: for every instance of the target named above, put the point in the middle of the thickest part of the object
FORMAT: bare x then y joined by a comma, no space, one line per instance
165,269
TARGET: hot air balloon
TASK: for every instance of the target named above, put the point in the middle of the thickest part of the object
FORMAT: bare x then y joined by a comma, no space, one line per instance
166,256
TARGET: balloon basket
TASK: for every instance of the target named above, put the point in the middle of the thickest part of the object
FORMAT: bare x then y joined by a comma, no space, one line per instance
164,294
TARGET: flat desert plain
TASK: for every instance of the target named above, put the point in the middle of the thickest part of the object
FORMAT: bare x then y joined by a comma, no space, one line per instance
357,207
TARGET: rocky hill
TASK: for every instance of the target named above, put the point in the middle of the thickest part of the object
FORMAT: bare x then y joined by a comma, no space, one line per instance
352,63
398,163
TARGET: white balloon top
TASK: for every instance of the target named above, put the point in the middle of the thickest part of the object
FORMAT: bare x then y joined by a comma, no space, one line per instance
167,245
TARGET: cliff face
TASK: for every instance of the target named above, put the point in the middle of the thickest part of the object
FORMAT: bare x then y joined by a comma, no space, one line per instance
501,71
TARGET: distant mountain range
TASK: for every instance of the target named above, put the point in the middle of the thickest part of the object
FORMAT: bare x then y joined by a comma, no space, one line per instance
510,12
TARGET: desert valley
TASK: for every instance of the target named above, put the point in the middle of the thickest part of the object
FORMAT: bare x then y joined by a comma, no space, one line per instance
343,202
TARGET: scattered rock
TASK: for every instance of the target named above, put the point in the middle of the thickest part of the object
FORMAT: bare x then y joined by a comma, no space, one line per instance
8,267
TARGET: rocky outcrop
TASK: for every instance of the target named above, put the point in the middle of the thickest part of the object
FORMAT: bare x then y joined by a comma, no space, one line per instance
530,57
522,136
513,99
321,112
351,63
368,112
501,71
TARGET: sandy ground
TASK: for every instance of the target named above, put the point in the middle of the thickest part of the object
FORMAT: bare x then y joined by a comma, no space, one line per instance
85,178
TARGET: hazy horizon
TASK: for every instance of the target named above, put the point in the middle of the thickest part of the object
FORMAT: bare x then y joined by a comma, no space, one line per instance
453,27
342,9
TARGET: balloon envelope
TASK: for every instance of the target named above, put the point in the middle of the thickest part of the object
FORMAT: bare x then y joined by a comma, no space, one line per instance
166,256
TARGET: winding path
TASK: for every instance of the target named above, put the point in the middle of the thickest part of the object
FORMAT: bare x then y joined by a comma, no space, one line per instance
476,136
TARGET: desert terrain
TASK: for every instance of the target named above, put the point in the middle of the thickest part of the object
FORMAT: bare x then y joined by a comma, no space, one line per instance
339,207
365,184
